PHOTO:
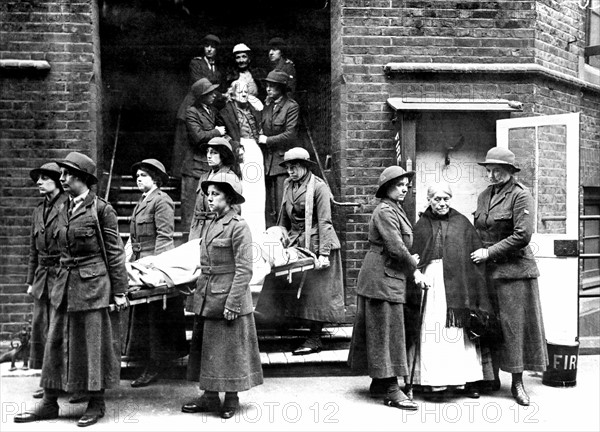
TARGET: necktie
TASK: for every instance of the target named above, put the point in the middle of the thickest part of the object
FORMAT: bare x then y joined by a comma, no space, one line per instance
71,207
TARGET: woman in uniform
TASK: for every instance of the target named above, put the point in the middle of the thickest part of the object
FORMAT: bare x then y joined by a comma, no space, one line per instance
82,351
224,355
378,344
155,335
306,215
505,222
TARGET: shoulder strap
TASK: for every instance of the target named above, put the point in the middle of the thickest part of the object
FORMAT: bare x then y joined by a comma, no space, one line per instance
308,210
98,229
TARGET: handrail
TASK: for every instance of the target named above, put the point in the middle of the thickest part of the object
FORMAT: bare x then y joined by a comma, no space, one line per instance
322,171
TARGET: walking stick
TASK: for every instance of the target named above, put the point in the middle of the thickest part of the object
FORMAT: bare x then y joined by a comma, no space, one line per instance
417,353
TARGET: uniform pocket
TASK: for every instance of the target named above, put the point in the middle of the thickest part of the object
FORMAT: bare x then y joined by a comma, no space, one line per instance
83,232
393,273
221,243
90,271
504,216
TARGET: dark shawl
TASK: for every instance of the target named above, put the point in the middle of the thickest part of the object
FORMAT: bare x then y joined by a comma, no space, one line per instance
466,290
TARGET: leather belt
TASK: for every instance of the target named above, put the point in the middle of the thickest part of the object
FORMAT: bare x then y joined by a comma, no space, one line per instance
72,262
220,269
48,260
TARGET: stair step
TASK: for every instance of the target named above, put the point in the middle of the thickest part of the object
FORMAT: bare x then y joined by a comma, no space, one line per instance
136,189
133,203
127,219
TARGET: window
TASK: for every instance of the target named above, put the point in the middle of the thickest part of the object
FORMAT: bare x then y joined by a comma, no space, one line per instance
590,275
592,33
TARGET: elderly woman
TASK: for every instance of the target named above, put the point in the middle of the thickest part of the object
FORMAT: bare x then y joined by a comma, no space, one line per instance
306,214
450,355
378,340
221,159
224,355
505,222
82,352
44,254
155,334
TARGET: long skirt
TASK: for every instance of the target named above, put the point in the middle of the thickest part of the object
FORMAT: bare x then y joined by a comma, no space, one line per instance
39,331
378,345
224,355
316,295
83,351
519,309
155,334
448,357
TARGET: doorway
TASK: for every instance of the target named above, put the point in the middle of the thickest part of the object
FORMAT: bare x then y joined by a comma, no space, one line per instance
146,47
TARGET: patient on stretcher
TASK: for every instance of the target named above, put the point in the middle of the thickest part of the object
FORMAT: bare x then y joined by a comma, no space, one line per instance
180,266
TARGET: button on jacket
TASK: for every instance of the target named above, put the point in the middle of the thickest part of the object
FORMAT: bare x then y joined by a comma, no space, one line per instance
505,223
226,263
42,268
201,128
84,279
152,224
280,125
388,264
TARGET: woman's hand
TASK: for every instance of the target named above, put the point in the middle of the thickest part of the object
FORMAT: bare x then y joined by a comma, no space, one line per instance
480,255
417,258
230,315
421,280
323,262
262,139
30,290
121,302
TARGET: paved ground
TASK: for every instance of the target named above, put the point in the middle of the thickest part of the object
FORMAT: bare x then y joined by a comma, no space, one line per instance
331,403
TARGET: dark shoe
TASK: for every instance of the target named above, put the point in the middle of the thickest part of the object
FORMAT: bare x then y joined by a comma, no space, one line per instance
378,388
470,391
89,419
397,399
38,394
145,379
488,387
76,398
230,406
311,345
518,391
95,410
203,404
45,411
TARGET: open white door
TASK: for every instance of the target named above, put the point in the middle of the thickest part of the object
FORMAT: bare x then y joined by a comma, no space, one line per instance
547,151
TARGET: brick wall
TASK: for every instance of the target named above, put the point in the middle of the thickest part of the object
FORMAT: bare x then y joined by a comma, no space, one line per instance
374,33
42,116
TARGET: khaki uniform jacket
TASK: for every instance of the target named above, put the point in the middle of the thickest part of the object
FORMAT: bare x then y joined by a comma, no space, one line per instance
201,128
389,264
280,125
323,237
226,264
152,225
44,249
84,280
505,223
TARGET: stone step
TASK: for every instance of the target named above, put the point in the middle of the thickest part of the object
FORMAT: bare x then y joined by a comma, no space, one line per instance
276,354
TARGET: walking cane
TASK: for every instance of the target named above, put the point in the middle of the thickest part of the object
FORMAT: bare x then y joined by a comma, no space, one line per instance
417,353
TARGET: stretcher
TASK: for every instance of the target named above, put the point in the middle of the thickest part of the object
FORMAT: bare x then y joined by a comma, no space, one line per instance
147,294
